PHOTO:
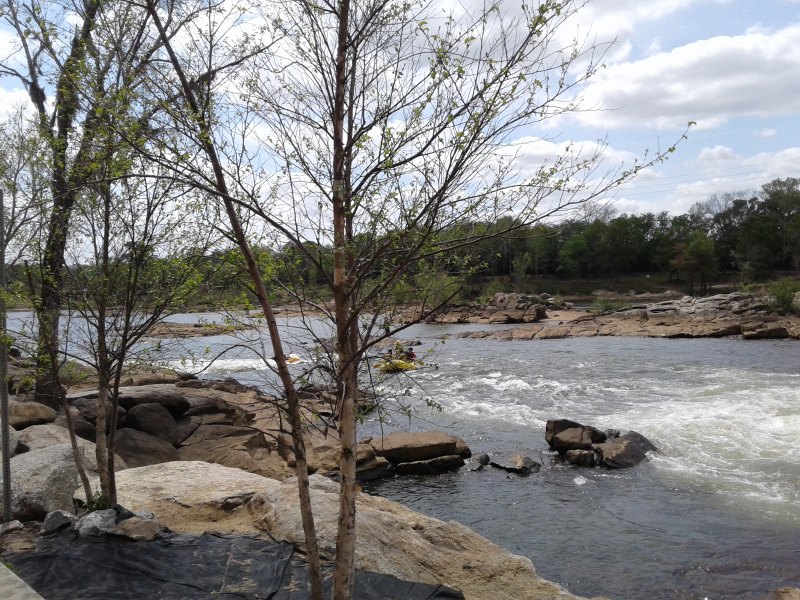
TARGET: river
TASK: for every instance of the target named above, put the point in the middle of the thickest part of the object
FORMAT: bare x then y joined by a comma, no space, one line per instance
716,514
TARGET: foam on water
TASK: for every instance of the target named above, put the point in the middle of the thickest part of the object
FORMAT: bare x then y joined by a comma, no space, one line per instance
730,431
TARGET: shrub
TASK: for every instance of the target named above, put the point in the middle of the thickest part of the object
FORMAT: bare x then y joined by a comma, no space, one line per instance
602,306
783,296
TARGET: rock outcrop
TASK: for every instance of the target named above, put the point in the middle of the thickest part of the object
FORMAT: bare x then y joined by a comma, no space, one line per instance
195,496
421,453
501,308
722,315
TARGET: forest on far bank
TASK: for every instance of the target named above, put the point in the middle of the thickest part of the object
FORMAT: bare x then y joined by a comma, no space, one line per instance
730,241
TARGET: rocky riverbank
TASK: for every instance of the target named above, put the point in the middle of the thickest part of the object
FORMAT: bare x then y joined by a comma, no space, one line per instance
722,315
214,456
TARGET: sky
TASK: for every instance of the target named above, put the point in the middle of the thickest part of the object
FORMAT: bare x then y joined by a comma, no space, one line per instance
730,66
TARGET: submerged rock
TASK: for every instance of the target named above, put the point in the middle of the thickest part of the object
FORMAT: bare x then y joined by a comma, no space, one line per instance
519,464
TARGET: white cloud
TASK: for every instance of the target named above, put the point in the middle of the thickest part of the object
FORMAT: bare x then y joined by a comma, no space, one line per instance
767,132
717,154
715,170
708,81
10,99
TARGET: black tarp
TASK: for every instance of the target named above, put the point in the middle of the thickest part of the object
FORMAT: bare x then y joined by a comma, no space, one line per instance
184,567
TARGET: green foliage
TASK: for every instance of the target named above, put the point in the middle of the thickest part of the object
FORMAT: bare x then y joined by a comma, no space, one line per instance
602,306
783,296
98,501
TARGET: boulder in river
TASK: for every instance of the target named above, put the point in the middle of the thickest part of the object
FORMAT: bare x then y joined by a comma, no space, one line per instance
625,451
587,446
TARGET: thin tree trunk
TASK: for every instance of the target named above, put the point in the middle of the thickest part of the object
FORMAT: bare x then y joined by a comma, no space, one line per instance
292,401
76,451
344,570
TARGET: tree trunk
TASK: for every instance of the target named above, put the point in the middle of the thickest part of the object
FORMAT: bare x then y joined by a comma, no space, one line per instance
48,387
344,570
293,405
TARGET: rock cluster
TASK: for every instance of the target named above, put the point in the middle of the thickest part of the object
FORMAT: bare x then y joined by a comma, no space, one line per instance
222,422
502,308
587,446
688,317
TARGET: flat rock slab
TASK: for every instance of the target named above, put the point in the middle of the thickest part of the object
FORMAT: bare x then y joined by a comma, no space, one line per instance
181,567
403,447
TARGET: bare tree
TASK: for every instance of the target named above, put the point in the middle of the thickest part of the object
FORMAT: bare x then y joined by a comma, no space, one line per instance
397,128
392,135
132,263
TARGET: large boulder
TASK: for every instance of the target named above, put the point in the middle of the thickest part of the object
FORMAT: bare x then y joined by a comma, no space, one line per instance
51,434
87,407
563,435
395,540
404,447
165,394
196,496
235,447
83,428
191,496
556,426
25,414
624,451
44,480
154,419
139,449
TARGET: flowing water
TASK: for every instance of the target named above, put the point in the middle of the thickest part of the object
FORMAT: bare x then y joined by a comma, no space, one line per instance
716,514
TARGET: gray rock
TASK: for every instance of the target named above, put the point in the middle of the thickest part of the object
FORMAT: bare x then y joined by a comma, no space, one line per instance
580,458
519,464
8,528
13,441
57,520
625,451
25,414
154,419
139,449
44,480
96,523
477,462
52,434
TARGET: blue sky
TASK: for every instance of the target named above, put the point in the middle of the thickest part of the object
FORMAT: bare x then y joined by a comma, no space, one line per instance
733,66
